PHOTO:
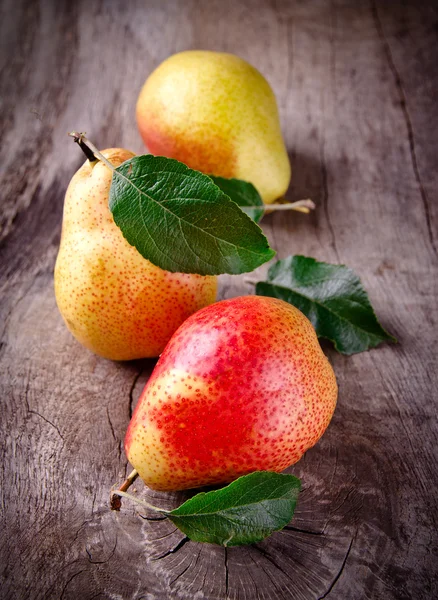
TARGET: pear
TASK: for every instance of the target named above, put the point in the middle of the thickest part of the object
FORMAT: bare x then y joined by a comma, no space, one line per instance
242,386
216,113
114,301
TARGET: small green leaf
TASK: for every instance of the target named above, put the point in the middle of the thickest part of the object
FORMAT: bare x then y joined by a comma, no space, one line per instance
244,194
333,299
244,512
181,221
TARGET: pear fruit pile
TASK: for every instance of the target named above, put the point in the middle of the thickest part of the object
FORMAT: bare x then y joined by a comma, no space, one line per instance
242,386
216,113
114,301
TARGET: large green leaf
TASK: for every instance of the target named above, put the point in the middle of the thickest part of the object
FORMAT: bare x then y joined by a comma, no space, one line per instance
244,512
244,194
181,221
332,297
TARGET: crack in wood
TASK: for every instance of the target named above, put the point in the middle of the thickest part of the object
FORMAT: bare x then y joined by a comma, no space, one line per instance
336,579
258,565
333,54
179,575
340,505
203,580
84,524
179,545
68,583
113,433
271,560
119,443
101,562
35,412
251,577
197,557
401,589
325,196
94,502
110,424
226,572
163,537
56,575
407,118
146,518
171,583
131,391
298,530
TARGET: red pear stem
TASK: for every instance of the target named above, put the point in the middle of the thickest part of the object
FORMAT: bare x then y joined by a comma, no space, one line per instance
89,149
115,501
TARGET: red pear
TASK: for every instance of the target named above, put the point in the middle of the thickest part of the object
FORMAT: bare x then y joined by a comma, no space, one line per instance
242,385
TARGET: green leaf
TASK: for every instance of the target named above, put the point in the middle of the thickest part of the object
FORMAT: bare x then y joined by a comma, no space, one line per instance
244,512
244,194
333,299
181,221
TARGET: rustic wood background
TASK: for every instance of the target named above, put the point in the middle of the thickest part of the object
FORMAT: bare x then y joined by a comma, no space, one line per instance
357,88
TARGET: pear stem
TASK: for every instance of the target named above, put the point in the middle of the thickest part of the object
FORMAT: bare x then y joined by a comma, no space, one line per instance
89,149
115,501
138,500
304,206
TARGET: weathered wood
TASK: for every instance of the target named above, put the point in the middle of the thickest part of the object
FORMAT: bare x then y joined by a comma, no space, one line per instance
357,87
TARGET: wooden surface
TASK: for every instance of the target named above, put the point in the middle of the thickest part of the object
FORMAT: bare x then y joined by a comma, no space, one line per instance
357,88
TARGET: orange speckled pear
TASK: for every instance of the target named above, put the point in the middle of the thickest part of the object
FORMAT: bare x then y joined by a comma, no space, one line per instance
216,113
114,301
243,385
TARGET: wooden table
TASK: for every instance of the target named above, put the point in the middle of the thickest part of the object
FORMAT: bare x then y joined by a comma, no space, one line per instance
357,89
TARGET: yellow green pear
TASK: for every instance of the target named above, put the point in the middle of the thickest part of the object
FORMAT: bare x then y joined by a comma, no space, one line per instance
114,301
216,113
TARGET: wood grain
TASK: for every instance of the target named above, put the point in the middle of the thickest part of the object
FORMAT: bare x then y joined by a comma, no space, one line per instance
357,87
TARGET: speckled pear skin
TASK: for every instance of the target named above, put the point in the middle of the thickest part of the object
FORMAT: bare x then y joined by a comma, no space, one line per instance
216,113
114,301
243,385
